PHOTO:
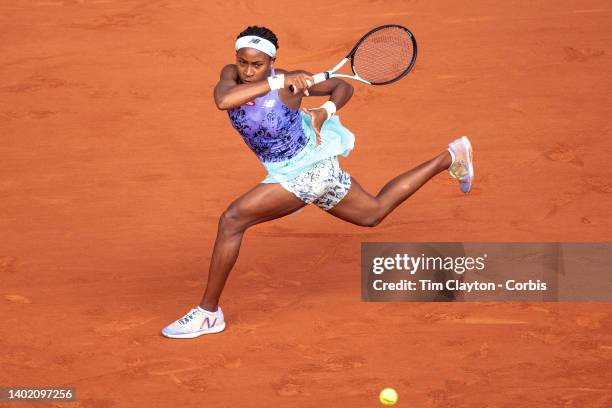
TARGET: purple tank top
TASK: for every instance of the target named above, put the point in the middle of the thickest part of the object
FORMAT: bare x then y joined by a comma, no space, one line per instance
272,130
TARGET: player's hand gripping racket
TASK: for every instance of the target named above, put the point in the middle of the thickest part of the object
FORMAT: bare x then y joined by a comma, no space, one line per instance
382,56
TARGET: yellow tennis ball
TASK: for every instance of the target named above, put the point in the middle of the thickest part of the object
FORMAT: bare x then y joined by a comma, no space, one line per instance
388,396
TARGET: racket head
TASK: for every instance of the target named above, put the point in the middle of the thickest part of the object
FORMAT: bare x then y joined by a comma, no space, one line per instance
384,55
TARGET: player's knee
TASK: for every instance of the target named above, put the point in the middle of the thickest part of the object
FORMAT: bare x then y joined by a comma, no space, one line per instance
231,221
375,216
369,219
372,222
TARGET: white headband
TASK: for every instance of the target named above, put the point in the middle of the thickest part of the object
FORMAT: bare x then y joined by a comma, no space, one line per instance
261,44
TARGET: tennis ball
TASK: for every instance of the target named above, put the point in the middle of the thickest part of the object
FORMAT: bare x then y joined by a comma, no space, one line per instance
388,396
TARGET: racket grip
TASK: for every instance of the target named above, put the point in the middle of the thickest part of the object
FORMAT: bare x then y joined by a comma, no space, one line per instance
323,76
318,78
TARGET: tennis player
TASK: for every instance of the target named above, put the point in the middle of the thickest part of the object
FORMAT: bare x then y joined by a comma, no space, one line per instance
299,150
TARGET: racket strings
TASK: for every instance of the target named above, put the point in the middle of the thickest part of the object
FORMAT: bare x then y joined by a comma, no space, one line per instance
384,55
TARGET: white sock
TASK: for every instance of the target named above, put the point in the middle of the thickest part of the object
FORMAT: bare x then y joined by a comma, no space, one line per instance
204,310
452,154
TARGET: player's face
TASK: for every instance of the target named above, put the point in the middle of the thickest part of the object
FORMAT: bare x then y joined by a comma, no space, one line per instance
253,65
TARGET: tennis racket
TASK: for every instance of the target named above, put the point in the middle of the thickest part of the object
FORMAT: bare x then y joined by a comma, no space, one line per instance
382,56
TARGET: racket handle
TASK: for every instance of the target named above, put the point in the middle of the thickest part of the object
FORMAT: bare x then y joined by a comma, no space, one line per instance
318,78
323,76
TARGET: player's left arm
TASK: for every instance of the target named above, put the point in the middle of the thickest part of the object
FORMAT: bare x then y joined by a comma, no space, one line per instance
339,91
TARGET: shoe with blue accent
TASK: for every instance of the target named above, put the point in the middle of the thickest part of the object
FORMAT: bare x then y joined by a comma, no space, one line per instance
462,167
196,323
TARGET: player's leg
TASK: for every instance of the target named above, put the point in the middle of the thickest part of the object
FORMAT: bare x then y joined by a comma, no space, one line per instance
264,202
361,208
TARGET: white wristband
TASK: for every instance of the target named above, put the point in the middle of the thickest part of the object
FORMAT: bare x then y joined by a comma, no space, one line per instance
330,107
276,82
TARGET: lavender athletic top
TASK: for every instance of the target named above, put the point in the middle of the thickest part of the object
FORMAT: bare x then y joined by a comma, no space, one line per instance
283,139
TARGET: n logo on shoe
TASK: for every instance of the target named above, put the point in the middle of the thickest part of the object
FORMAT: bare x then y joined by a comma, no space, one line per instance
207,322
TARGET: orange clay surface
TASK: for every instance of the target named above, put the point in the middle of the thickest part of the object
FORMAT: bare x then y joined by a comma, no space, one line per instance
115,166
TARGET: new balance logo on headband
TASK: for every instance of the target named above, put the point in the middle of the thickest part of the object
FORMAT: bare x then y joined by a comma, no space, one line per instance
259,43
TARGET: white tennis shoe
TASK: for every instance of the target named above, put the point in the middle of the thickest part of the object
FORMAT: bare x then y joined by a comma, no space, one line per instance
196,323
462,167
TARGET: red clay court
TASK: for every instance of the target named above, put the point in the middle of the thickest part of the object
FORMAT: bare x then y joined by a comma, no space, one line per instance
114,169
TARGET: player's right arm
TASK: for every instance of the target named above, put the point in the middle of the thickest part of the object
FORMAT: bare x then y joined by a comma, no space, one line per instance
230,94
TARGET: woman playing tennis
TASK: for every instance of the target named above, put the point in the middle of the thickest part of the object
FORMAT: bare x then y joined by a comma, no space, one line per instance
299,149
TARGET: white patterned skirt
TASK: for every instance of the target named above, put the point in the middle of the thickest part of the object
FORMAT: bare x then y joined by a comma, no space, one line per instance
323,184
